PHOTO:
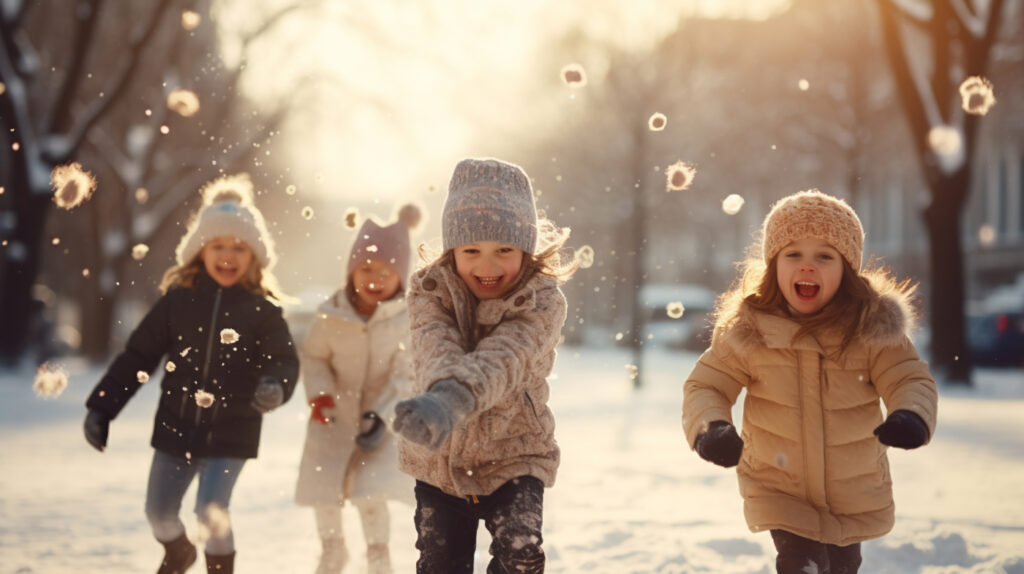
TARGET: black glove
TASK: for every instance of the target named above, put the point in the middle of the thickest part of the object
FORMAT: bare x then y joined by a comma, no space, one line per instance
902,429
97,426
719,444
373,432
268,396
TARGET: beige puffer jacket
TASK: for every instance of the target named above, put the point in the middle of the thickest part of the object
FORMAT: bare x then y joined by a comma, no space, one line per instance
811,464
365,366
510,433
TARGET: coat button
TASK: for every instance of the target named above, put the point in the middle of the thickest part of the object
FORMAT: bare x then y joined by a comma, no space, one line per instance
429,284
520,300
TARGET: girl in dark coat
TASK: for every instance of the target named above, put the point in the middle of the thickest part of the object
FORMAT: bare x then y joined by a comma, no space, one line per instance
230,360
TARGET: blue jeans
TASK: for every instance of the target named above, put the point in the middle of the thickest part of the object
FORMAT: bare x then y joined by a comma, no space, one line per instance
169,478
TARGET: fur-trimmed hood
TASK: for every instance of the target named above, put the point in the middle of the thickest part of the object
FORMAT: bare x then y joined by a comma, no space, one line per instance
888,322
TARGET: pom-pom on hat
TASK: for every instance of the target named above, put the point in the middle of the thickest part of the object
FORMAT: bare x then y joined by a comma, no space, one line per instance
228,211
818,215
387,243
489,200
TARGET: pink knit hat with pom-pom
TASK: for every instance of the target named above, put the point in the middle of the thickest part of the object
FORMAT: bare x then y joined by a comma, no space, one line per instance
387,243
228,211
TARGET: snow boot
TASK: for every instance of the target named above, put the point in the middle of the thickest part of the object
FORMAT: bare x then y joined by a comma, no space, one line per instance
179,554
378,559
220,564
334,556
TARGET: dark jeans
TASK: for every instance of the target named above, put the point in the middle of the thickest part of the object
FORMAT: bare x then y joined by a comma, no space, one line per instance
446,528
796,553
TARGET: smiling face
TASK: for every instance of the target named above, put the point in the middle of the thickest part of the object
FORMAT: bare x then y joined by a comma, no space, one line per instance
809,272
374,282
227,259
489,268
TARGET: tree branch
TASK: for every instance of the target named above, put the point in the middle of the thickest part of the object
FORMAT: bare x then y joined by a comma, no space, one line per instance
58,117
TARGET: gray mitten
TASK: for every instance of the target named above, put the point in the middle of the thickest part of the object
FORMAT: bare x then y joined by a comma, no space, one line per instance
429,418
268,396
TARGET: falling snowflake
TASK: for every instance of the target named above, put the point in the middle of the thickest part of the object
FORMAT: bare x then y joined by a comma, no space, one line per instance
803,84
55,241
618,336
574,76
229,336
185,103
987,234
165,130
585,256
632,371
657,122
351,218
142,377
190,19
139,251
675,309
307,213
291,189
50,381
944,140
732,204
371,248
72,185
170,366
185,352
977,95
679,176
142,195
85,272
204,399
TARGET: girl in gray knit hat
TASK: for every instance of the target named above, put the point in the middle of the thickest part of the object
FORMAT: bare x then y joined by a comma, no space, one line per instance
355,367
229,360
486,317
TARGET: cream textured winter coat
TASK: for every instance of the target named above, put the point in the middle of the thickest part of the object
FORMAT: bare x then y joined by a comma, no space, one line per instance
502,350
365,366
810,462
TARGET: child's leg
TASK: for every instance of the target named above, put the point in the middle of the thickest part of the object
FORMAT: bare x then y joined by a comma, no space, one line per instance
446,532
169,477
377,531
334,554
514,516
217,478
799,555
844,559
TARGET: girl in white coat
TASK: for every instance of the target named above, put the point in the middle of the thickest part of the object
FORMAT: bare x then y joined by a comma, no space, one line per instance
355,368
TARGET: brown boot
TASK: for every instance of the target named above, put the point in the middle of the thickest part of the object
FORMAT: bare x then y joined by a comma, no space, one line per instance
179,554
220,564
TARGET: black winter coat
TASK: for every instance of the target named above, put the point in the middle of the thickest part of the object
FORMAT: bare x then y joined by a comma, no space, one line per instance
185,324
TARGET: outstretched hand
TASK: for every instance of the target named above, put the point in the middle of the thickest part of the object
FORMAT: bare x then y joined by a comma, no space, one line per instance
429,418
903,429
720,444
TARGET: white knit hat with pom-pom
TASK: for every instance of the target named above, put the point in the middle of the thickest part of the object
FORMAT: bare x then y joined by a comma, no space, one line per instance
228,211
386,243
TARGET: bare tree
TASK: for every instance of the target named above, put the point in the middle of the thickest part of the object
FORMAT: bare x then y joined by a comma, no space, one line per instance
957,37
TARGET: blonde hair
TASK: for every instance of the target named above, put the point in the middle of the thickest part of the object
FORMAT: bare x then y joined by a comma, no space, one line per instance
255,280
758,288
552,258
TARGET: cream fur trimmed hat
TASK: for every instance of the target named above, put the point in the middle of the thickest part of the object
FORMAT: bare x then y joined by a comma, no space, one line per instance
489,200
818,215
228,210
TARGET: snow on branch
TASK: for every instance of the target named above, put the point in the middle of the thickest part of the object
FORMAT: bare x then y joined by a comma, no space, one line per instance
969,22
919,10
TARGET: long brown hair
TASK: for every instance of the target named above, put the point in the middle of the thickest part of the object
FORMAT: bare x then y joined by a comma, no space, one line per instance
758,288
256,279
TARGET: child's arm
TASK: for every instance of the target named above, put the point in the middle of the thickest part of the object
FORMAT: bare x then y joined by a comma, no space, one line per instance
711,389
279,361
399,386
318,377
905,384
146,345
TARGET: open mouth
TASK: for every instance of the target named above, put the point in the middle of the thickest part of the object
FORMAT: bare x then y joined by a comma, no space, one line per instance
374,289
487,283
807,290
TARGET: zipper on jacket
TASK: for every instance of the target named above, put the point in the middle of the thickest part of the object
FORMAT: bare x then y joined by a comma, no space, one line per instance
824,439
209,350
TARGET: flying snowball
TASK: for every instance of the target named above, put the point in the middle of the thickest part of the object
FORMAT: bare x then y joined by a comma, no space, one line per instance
50,381
229,336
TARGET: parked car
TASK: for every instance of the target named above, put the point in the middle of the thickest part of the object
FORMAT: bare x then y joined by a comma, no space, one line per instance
691,330
996,339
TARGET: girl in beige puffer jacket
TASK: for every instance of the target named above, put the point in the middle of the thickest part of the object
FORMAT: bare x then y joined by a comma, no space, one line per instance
355,368
486,317
815,342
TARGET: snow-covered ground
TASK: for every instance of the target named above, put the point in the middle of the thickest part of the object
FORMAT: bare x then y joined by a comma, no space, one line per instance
630,496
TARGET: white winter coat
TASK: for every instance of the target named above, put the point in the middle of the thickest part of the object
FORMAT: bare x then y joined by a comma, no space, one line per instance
365,366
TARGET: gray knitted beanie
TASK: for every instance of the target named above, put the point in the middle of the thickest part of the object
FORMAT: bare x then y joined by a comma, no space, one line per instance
489,200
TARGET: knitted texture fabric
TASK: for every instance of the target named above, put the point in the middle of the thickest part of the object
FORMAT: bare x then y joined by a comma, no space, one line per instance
818,215
489,200
228,211
387,243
